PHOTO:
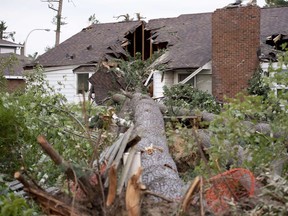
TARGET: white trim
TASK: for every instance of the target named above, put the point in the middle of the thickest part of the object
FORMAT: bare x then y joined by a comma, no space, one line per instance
149,77
76,82
14,77
11,45
50,69
205,66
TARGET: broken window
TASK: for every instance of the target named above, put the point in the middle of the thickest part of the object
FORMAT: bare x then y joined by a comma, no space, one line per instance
82,83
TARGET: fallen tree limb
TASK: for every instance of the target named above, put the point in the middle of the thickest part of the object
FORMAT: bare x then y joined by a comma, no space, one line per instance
191,191
50,204
92,192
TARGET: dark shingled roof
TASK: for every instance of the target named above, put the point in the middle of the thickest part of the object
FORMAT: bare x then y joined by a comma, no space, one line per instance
274,21
9,44
17,63
91,45
188,36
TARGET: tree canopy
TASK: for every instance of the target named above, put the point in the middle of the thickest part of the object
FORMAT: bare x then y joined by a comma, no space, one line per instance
3,33
272,3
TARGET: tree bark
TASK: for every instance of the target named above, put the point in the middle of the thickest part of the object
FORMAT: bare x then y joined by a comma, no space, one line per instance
160,173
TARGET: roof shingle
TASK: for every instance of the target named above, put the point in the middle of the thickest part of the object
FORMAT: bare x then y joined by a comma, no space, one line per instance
90,45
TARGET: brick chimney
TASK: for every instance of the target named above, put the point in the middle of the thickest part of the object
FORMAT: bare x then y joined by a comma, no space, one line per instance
235,40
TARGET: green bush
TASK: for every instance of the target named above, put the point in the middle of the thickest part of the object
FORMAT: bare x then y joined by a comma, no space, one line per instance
41,110
185,96
13,205
257,86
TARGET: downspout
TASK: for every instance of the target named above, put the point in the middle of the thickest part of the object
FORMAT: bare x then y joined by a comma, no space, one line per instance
134,43
151,45
143,42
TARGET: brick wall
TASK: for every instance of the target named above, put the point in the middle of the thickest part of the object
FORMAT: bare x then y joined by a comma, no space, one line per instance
235,40
15,84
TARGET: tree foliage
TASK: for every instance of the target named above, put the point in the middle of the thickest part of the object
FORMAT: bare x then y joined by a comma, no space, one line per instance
127,17
13,205
256,84
273,3
6,66
185,96
135,71
92,20
4,34
231,131
40,109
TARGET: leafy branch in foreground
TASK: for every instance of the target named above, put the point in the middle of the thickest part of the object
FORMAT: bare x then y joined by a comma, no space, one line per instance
42,110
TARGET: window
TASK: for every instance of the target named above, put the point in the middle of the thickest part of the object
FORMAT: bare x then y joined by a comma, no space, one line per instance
82,83
204,82
182,76
201,81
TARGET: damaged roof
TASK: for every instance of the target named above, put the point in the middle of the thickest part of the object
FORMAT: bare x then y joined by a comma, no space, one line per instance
190,41
188,37
273,21
91,45
274,33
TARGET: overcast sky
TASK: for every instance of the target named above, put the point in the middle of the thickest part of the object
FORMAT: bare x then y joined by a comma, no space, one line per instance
22,16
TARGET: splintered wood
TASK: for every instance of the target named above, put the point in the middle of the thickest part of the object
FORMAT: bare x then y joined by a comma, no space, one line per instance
112,185
133,194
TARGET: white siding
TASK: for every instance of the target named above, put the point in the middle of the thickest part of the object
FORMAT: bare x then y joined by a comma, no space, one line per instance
67,80
158,85
64,81
274,66
7,50
202,81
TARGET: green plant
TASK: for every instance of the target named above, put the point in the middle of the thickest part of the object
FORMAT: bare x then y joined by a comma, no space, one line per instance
256,84
273,196
135,70
6,65
185,96
42,110
13,205
235,139
183,149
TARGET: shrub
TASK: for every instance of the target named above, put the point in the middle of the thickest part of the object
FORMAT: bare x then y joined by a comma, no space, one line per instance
185,96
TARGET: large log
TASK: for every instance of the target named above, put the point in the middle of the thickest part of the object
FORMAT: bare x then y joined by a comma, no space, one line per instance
263,128
160,173
149,123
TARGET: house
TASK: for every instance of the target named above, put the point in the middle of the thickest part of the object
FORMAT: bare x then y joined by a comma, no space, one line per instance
75,60
188,42
11,64
215,52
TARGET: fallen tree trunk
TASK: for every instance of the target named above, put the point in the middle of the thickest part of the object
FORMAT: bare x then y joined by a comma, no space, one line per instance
159,170
204,135
263,128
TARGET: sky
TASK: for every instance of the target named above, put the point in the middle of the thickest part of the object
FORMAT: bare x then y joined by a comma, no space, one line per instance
25,16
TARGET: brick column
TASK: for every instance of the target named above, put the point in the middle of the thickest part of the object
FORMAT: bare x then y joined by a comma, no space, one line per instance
235,40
